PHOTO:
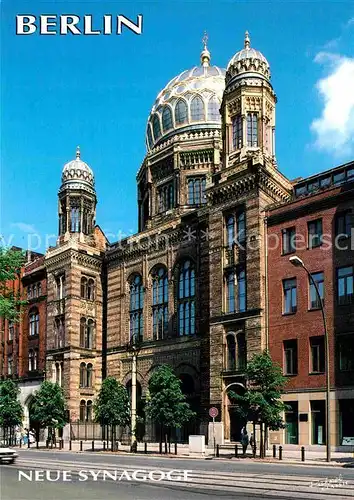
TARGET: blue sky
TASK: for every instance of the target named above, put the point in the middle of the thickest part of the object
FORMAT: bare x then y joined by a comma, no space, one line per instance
96,91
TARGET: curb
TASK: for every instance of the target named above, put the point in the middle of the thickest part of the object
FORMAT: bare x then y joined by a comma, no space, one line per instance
309,463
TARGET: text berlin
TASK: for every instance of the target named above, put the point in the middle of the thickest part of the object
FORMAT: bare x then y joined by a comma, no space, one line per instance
53,24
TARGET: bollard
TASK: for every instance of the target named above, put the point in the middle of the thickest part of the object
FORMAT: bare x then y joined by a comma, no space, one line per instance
116,446
217,451
93,445
236,450
165,447
70,445
59,444
51,444
274,451
176,448
160,450
47,443
145,447
254,451
28,443
280,453
302,453
104,445
37,444
21,443
80,445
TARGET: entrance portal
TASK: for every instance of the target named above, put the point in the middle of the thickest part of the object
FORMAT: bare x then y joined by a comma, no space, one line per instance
235,418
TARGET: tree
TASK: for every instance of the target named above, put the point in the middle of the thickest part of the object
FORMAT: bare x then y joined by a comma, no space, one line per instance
262,402
112,406
11,262
166,403
11,411
49,407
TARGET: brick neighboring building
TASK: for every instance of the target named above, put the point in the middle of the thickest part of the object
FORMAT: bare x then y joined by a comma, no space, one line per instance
24,343
317,226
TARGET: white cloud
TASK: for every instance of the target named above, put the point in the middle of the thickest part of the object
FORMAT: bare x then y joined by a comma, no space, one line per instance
26,228
334,129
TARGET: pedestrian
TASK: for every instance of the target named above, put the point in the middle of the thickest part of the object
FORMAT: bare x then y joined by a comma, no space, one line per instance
31,437
244,440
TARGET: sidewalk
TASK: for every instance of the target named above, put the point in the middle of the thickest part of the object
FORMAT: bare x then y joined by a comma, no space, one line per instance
345,459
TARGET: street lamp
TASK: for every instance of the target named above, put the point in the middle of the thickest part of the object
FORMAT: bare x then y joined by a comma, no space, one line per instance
297,262
133,348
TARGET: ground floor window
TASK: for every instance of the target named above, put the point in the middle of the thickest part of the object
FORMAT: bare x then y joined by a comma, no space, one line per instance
318,419
292,423
346,421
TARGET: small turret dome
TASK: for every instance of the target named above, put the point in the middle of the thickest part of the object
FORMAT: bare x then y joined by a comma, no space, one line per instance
247,62
78,175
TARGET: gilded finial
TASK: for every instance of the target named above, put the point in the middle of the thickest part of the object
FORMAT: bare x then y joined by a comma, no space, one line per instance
247,40
205,55
205,40
78,154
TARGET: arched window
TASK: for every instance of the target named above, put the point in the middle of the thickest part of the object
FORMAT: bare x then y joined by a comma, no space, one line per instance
34,322
156,127
241,226
237,132
149,136
136,308
196,190
91,289
230,230
35,359
186,299
31,360
160,303
241,291
197,109
11,330
181,112
236,291
75,220
241,351
57,374
89,411
82,332
83,377
166,118
252,130
83,287
89,375
230,292
214,109
82,410
89,334
230,353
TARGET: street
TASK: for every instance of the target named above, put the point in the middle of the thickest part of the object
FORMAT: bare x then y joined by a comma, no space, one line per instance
206,478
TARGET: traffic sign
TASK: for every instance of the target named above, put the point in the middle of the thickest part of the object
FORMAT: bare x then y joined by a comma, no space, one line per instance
213,412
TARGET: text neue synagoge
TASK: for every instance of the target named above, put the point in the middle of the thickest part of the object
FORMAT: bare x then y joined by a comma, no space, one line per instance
203,286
